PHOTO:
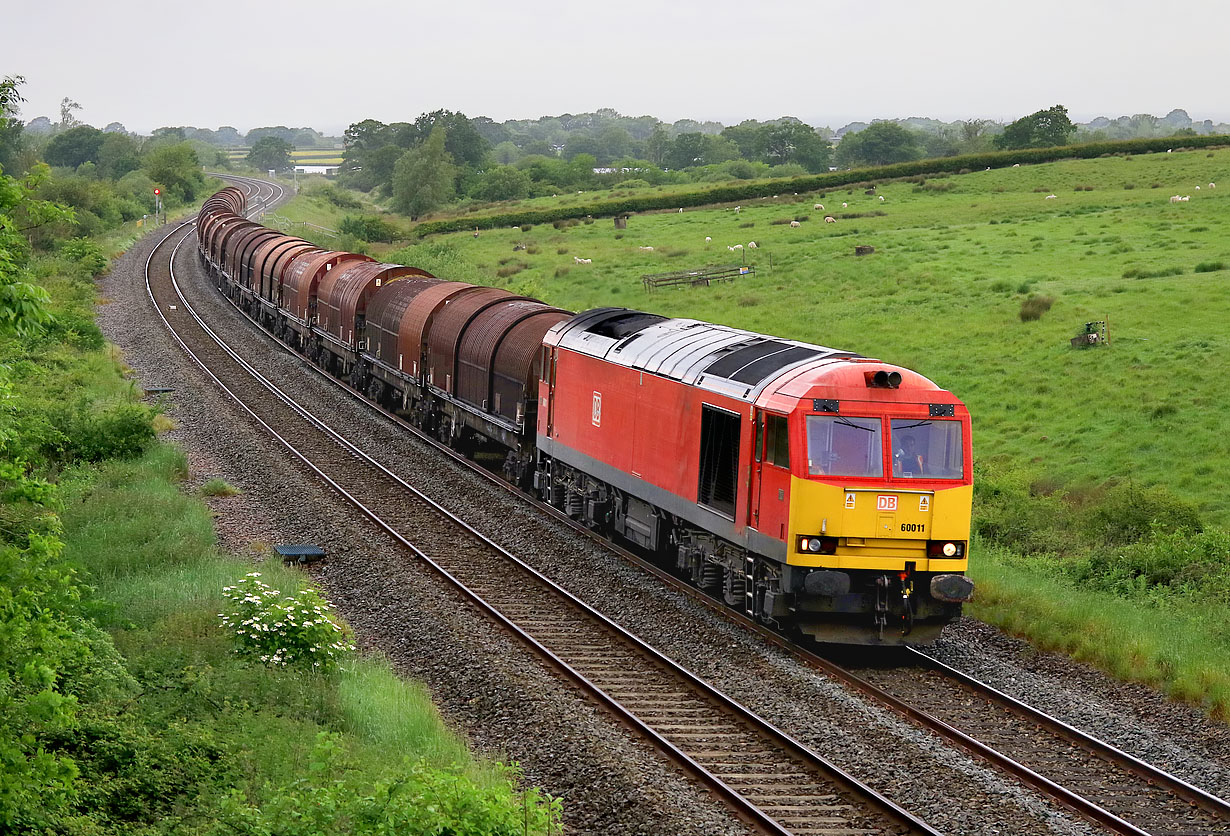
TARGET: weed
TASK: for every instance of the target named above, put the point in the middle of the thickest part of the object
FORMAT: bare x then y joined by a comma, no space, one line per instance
561,250
1210,266
1033,307
219,487
748,225
511,269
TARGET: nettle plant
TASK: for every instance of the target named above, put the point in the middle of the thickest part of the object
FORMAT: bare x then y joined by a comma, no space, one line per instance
283,630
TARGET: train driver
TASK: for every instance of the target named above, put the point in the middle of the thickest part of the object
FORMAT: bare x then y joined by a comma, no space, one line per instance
907,460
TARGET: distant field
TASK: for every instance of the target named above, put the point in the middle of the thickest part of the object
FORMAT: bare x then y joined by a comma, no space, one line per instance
325,156
955,258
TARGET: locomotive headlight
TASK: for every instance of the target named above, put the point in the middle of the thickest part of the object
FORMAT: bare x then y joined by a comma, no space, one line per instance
950,549
818,545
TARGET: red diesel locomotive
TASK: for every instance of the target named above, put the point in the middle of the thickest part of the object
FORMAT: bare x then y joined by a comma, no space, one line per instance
811,488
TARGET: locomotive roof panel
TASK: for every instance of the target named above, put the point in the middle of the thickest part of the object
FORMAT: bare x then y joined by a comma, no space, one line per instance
731,361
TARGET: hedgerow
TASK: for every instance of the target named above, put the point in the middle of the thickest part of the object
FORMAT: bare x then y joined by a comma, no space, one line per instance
819,182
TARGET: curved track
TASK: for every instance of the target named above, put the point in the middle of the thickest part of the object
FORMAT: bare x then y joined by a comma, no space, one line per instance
768,779
1118,792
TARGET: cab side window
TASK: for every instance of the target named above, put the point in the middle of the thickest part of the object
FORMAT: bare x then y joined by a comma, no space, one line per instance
777,441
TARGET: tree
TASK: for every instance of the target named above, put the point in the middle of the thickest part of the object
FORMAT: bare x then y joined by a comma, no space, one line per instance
462,141
881,143
10,125
1043,129
794,142
270,153
117,155
176,169
74,146
658,145
67,120
424,177
686,151
23,306
503,182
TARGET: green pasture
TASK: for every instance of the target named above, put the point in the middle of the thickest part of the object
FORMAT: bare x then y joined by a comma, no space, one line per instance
955,258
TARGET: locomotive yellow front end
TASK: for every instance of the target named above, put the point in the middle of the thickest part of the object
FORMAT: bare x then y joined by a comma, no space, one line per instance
880,497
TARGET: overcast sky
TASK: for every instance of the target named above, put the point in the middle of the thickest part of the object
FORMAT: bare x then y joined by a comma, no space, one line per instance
328,64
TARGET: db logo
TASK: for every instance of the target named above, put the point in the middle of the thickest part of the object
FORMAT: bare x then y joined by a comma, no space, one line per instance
886,503
596,418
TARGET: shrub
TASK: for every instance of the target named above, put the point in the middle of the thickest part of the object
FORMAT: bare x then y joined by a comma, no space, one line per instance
282,630
117,432
1126,513
1210,266
526,227
1138,273
511,269
86,253
219,487
337,196
368,228
1034,306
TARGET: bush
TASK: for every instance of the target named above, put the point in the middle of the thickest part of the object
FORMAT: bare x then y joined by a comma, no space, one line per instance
368,228
1210,266
282,630
337,196
86,253
1033,307
118,432
1126,513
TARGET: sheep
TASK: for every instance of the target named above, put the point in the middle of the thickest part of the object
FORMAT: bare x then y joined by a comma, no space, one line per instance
577,259
795,224
680,210
1049,197
1016,165
1186,198
819,207
732,249
708,240
845,205
1174,198
586,261
751,245
1197,188
738,209
829,219
738,246
646,249
1212,185
881,198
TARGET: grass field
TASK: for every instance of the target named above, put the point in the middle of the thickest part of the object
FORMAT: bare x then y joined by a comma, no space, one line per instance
955,258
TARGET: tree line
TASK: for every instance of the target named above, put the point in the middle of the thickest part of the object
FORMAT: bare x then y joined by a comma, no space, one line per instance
445,157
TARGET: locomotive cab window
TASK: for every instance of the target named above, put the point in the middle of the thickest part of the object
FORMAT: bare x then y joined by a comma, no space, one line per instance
719,459
777,441
843,446
927,449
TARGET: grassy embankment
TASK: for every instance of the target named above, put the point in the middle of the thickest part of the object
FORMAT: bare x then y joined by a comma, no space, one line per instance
140,716
1078,451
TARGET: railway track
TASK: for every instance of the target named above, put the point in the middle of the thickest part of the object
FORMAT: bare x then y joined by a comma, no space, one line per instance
769,780
1110,788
